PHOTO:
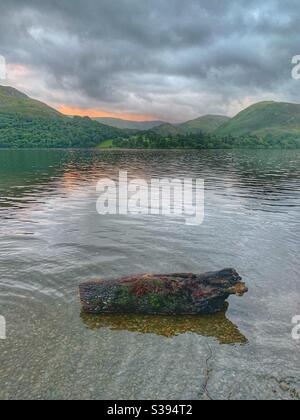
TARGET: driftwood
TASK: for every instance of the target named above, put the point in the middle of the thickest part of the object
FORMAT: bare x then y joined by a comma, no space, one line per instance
172,294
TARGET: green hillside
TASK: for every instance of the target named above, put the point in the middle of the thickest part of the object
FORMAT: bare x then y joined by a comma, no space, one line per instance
206,124
13,101
263,119
265,125
132,125
166,130
27,123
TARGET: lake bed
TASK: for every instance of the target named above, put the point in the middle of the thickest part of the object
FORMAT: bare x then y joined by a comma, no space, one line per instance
52,239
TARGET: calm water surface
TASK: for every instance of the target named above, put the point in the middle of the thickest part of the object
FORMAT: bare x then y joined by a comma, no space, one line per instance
51,239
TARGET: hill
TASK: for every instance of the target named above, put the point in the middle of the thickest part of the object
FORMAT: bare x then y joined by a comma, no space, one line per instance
166,130
125,124
206,124
27,123
13,101
263,119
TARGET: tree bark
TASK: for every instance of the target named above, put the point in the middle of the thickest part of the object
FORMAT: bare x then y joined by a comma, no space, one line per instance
170,294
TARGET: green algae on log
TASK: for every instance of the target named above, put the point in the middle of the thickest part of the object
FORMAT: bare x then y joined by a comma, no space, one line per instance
170,294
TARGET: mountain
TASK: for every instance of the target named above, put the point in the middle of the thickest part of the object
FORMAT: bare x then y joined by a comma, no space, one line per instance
13,101
265,118
133,125
276,119
27,123
166,130
206,124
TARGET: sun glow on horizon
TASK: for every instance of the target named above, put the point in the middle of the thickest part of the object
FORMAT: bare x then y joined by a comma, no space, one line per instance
96,113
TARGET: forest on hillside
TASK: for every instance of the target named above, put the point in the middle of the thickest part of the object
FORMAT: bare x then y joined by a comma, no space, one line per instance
21,131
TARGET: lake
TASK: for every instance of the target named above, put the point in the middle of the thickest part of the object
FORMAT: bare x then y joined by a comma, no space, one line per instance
52,238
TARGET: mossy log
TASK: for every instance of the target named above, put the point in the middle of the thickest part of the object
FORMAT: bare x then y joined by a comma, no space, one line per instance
171,294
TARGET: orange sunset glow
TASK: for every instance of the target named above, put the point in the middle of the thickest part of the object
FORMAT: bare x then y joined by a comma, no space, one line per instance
96,113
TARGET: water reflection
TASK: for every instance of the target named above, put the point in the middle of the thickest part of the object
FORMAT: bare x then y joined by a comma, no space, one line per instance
247,168
52,239
217,326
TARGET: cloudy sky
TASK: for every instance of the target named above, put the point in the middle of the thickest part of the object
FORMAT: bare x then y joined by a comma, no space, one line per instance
151,59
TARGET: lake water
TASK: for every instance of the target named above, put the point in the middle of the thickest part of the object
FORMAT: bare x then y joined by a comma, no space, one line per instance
51,239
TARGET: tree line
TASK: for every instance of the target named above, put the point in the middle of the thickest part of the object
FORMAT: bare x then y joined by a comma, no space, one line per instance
152,140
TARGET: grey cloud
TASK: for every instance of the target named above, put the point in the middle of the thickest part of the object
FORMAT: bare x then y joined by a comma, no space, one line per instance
173,59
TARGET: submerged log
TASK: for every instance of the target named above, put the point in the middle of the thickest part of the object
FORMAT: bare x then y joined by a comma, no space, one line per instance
171,294
217,325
